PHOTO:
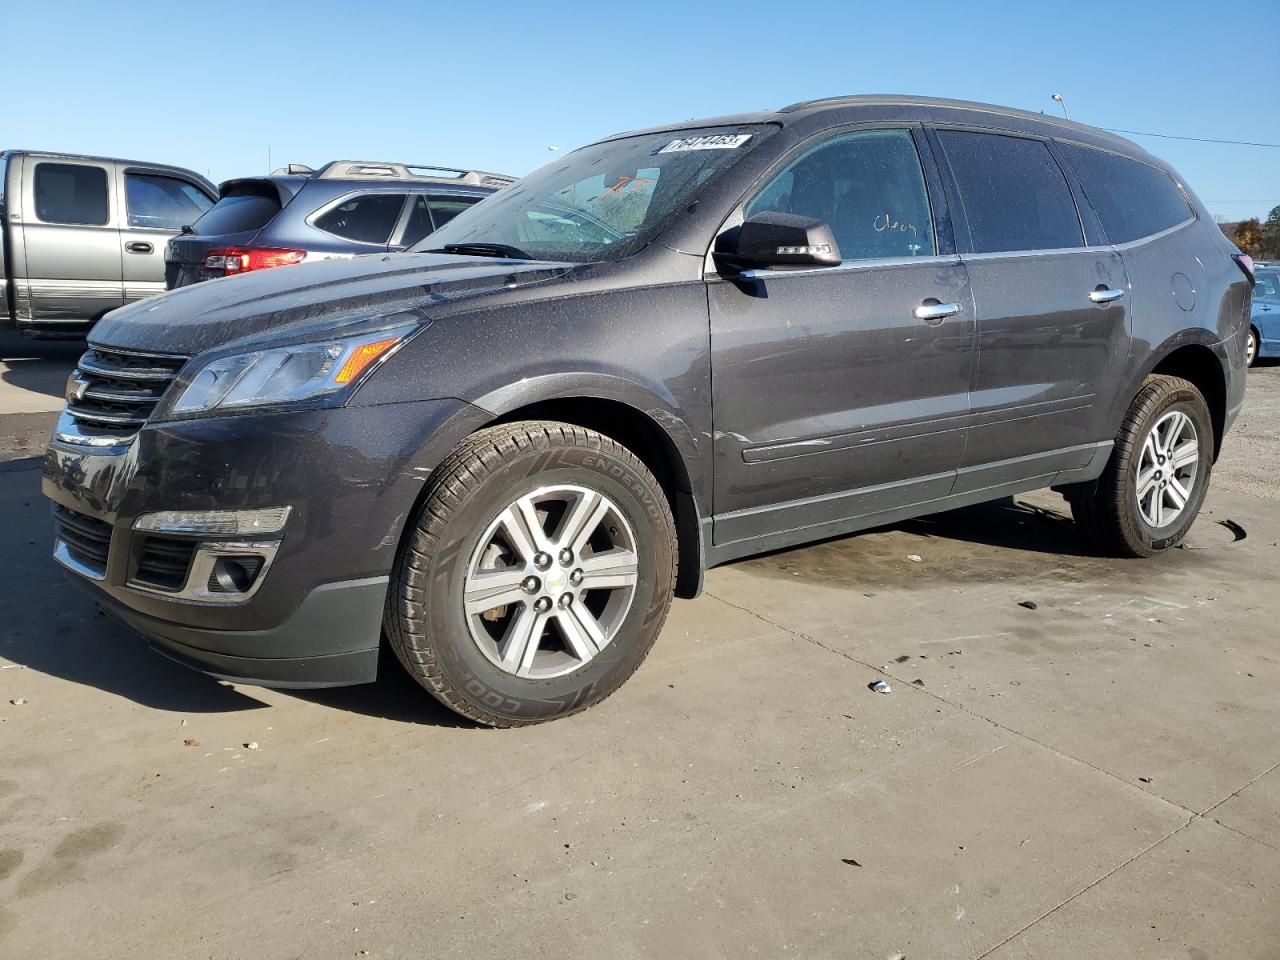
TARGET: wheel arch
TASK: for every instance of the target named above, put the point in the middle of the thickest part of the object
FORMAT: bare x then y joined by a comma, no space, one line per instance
642,421
1200,362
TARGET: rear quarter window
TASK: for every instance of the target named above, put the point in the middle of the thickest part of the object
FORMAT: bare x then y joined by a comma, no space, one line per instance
368,218
1014,194
1132,199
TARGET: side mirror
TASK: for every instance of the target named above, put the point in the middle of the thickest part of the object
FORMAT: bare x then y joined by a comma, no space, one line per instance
773,239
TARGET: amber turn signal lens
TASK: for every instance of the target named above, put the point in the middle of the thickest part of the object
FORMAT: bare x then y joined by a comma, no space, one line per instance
361,357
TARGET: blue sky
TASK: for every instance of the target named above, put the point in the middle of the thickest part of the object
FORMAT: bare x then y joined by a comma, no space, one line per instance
213,86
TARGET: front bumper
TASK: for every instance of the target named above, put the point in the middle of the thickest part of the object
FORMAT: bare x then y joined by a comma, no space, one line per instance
352,476
343,619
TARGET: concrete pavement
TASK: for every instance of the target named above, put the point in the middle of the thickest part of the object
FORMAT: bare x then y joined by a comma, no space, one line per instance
1095,777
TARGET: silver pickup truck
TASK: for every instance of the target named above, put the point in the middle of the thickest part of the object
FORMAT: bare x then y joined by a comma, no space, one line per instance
83,235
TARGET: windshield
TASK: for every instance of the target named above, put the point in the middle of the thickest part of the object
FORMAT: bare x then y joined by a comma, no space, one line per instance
603,202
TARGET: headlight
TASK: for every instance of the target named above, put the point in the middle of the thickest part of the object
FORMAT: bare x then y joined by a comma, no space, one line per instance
290,374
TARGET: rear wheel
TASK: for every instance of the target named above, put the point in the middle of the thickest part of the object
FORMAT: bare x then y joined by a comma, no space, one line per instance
1158,474
1251,348
537,575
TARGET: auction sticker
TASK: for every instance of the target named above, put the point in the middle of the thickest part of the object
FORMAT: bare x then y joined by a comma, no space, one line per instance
718,141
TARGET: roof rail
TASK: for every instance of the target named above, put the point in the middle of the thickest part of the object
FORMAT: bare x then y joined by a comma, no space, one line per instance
382,170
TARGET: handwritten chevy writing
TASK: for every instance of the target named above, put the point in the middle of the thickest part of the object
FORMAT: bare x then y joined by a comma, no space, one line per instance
718,141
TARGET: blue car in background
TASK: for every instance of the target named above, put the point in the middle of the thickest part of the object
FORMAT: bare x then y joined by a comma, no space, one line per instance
346,208
1264,327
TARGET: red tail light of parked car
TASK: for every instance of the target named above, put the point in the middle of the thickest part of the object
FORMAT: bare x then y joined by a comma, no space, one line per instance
232,260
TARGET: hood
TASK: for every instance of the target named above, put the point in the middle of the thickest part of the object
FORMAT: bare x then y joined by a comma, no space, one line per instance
206,315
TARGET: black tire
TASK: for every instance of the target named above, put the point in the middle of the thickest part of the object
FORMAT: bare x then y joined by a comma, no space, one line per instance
425,622
1107,512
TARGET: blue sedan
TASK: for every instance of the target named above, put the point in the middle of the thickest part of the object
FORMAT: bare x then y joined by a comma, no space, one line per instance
1264,327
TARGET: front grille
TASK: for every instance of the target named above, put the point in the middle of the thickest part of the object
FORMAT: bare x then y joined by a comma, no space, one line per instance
86,539
115,392
164,562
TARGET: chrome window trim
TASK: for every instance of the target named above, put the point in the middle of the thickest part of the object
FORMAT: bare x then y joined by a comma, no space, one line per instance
1020,254
1167,231
884,263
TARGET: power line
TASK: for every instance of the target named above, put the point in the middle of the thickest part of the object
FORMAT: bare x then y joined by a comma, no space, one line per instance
1171,136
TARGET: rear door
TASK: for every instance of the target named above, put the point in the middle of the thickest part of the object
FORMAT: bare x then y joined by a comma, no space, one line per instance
157,204
1052,322
71,237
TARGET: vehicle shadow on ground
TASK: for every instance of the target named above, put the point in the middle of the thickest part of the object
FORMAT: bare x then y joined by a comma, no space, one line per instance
395,696
1007,524
38,366
49,625
80,644
63,634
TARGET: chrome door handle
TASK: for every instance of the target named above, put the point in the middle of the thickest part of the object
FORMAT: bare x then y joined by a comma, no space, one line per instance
138,246
1105,295
931,311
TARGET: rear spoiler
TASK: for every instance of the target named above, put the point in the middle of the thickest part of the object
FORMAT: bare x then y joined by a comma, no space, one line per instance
283,189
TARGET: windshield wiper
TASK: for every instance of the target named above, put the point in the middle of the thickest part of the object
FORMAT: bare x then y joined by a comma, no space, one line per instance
482,250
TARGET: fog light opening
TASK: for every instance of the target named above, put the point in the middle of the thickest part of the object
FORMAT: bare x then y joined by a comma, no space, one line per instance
234,574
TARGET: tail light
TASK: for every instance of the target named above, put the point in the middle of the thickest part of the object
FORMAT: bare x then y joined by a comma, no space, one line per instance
1245,263
232,260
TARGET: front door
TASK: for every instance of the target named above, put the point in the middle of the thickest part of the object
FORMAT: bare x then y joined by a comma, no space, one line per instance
1053,331
836,392
156,206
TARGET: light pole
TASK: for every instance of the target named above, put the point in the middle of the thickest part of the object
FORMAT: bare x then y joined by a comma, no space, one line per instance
1057,98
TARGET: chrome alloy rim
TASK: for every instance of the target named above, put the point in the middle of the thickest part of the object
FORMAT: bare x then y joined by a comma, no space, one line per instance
1168,468
551,581
1250,349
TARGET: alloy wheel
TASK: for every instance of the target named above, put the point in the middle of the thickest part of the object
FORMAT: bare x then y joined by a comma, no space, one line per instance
1167,469
551,581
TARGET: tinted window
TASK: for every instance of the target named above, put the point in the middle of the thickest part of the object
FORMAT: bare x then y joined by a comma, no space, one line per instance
67,193
1014,194
238,212
444,209
1268,287
1132,199
419,224
868,187
166,202
365,219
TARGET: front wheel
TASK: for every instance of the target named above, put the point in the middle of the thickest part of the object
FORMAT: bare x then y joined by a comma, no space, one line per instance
537,574
1158,474
1251,348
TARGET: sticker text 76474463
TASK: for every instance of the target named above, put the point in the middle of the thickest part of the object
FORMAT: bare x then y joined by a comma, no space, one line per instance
717,141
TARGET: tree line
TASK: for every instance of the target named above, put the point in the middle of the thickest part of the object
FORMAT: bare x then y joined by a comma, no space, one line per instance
1258,238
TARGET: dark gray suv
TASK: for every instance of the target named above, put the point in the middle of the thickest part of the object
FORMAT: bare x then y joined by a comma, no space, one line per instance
505,451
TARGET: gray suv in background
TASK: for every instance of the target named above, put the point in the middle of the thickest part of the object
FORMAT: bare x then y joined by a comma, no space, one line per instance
345,208
83,235
505,451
